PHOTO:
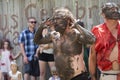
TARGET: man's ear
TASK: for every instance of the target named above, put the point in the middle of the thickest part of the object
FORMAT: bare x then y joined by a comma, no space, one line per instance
68,23
103,15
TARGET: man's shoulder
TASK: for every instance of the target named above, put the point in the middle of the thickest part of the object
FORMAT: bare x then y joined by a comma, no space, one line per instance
97,27
98,30
119,22
25,30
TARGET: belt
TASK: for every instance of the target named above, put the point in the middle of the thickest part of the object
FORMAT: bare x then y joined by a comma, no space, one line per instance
47,52
110,72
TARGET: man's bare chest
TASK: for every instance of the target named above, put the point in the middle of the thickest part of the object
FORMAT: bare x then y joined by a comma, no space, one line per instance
66,45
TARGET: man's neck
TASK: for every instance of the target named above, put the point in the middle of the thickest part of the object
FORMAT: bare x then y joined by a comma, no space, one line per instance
112,24
31,29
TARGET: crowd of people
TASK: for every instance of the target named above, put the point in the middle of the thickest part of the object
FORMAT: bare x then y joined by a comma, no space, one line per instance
61,41
6,56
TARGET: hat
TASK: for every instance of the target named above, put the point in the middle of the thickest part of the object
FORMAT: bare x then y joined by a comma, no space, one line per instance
13,62
53,69
111,11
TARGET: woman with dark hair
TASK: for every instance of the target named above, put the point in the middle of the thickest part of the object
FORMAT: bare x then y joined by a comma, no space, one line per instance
6,41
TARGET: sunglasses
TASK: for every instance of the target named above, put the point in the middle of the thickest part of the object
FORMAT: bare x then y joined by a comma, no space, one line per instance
33,22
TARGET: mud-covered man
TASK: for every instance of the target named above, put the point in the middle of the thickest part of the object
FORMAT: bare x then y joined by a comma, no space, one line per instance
67,37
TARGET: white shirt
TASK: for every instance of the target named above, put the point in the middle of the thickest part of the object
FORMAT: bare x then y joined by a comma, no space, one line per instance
15,76
5,61
48,51
52,78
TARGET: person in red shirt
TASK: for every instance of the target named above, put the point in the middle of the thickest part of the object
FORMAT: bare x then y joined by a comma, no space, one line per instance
105,52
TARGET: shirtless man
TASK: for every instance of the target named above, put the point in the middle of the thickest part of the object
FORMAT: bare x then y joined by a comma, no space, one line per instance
106,50
67,37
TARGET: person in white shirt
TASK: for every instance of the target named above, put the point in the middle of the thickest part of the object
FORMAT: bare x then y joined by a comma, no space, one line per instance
14,74
45,55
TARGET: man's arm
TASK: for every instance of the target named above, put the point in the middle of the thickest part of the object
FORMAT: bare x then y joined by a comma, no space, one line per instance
85,36
22,49
23,53
39,39
92,62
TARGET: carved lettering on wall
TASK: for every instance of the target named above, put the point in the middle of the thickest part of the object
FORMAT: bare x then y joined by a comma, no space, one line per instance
15,39
12,28
94,7
82,9
14,17
9,30
31,5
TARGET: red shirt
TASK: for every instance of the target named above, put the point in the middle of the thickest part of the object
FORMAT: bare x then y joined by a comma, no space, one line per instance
104,44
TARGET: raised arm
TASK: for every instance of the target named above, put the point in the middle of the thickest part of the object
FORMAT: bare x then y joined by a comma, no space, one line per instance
39,39
85,36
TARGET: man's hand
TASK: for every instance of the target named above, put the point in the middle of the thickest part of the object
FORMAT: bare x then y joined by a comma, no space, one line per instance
55,35
25,59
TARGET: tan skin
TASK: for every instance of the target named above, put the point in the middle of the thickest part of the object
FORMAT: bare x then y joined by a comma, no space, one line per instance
111,24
